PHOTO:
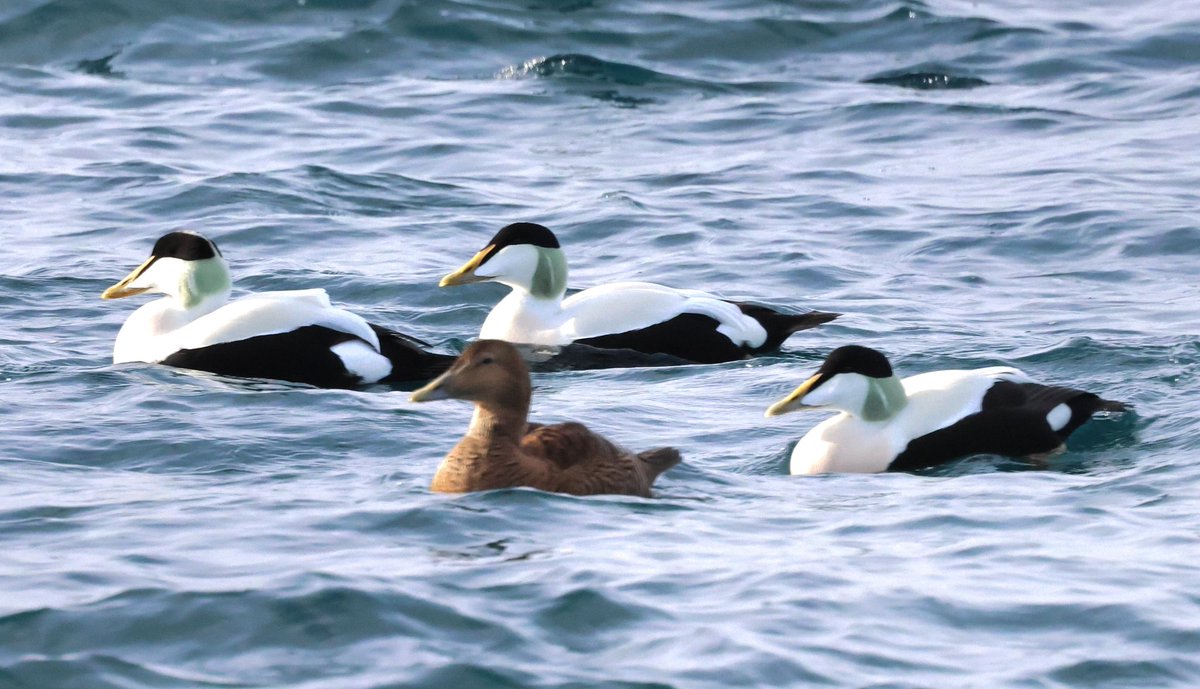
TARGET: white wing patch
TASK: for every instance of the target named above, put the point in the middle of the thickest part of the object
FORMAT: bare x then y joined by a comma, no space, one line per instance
359,359
1059,417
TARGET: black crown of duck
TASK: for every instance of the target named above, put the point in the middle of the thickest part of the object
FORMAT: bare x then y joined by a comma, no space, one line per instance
502,449
184,245
641,316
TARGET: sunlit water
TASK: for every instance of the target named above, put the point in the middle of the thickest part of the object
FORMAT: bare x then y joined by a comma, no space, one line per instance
971,184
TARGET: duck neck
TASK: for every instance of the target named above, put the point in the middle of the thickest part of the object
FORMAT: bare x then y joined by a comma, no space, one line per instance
489,455
197,305
885,399
499,423
523,317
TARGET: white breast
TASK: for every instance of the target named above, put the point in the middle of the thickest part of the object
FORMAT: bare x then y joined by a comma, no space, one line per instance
519,317
845,444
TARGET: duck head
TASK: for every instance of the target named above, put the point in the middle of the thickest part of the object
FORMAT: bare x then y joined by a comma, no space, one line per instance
489,372
853,379
525,256
183,265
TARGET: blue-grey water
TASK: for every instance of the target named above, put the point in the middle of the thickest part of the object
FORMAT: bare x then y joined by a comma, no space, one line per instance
1010,183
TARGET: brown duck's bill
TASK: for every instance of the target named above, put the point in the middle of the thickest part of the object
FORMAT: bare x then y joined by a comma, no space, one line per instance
792,401
432,391
122,288
466,275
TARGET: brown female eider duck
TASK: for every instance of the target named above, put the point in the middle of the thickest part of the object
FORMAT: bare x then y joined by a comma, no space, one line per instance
501,449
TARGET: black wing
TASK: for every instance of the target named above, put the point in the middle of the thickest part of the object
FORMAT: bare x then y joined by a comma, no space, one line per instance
1012,421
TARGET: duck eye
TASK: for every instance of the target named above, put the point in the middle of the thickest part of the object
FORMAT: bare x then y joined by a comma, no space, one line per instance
487,360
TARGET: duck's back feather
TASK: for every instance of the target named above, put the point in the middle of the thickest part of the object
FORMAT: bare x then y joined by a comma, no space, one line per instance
626,306
1014,418
270,313
585,463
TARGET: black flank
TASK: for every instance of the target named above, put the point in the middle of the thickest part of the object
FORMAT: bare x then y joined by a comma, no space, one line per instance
410,360
299,356
1011,422
689,336
694,336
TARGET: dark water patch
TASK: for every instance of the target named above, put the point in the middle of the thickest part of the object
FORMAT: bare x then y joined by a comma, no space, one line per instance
331,58
467,674
229,621
579,619
45,519
1168,50
926,81
43,122
1124,672
565,6
586,67
101,66
1178,241
310,189
576,70
100,671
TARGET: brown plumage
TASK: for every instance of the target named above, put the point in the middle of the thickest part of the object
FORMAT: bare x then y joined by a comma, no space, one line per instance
501,449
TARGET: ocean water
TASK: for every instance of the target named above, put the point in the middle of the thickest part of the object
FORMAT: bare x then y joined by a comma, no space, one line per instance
1009,183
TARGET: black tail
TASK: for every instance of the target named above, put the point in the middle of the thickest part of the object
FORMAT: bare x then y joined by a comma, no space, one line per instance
1082,406
780,326
659,460
410,360
1043,398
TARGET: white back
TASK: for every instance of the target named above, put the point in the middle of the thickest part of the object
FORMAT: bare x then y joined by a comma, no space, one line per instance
269,313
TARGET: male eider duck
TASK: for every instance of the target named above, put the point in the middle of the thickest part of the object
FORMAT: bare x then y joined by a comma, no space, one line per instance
295,336
889,424
501,449
639,316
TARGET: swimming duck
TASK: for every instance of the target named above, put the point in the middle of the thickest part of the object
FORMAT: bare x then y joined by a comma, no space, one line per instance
501,449
889,424
640,316
296,335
